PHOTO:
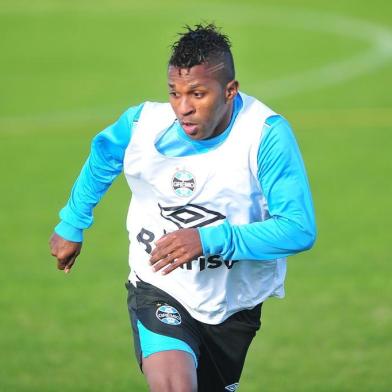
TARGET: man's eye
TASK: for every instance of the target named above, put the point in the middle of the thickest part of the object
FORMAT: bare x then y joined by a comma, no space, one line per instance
173,94
198,95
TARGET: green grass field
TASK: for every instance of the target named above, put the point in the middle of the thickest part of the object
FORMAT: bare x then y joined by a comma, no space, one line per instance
70,68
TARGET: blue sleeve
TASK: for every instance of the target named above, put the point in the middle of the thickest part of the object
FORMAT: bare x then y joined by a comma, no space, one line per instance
291,227
103,165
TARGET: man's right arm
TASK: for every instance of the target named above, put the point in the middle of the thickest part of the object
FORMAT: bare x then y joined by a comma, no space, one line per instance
102,166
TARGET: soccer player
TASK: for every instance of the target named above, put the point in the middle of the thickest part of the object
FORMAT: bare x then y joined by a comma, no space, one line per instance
220,198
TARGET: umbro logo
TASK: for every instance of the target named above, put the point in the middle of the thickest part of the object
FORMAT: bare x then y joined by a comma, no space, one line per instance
190,215
232,387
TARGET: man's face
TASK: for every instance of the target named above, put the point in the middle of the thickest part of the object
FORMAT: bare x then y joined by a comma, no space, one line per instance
201,102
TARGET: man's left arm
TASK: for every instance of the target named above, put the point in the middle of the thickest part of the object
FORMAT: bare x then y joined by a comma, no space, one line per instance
291,227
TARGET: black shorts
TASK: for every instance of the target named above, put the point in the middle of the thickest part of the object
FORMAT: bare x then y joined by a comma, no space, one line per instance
220,349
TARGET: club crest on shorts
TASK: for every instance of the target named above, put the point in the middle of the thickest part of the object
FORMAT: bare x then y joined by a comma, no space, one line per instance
168,315
183,183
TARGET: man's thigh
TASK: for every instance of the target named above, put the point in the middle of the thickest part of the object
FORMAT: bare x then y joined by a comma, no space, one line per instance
223,350
165,339
160,323
170,371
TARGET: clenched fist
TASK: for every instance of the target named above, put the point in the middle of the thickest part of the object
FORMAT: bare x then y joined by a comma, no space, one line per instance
65,252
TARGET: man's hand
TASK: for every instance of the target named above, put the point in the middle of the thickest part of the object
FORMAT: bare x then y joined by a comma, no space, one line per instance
175,249
65,252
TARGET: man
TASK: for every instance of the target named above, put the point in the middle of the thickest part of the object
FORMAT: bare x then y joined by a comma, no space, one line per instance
220,198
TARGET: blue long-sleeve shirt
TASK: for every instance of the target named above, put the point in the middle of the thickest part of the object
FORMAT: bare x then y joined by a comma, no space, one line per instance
281,173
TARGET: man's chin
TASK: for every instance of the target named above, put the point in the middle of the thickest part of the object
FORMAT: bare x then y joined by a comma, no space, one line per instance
197,136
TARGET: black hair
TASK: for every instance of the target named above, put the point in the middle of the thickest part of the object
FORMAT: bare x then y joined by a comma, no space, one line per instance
203,44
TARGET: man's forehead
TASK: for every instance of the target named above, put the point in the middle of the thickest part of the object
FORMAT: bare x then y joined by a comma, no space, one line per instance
202,72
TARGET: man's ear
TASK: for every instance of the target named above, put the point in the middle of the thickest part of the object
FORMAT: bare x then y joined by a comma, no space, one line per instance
231,90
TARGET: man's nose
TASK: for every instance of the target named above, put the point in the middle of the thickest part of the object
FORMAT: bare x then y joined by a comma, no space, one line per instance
185,107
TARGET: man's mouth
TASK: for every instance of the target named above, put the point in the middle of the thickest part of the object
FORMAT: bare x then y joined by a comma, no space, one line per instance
189,128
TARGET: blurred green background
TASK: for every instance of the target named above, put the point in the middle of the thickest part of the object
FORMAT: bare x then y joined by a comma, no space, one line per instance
70,68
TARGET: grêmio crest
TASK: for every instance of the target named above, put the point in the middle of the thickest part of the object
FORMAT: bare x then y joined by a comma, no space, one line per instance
183,183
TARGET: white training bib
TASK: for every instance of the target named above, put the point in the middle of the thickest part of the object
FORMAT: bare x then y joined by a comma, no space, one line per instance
169,193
